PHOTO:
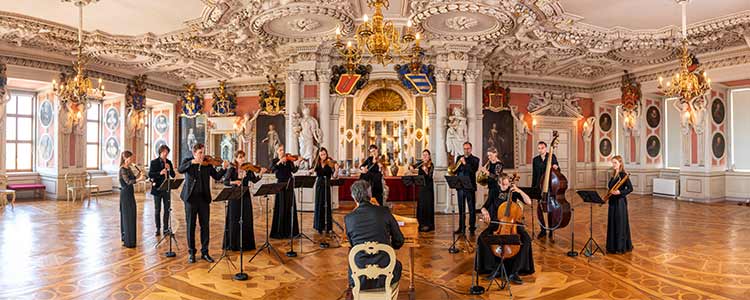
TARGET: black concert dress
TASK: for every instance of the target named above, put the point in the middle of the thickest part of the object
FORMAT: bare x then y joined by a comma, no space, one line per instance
127,207
618,226
426,201
283,220
237,208
375,177
322,220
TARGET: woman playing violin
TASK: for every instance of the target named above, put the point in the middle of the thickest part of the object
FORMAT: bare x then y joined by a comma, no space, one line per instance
325,169
487,262
426,201
284,166
237,176
371,171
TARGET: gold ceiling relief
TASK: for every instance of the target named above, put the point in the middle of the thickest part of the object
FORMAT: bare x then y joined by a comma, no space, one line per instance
384,100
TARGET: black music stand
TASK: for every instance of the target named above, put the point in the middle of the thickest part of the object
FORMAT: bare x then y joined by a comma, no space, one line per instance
229,193
333,234
264,191
534,193
501,240
591,197
299,182
458,183
170,184
414,182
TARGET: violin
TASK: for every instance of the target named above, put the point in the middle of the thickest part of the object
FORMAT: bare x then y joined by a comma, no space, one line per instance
290,157
249,167
209,160
509,215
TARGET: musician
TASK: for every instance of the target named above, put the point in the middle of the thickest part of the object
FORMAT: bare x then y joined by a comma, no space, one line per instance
127,199
196,194
372,172
284,167
486,261
368,223
325,169
236,176
426,201
469,166
494,168
618,226
539,166
158,170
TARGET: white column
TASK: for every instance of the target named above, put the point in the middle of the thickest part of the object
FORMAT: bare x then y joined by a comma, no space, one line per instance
324,115
441,108
292,106
471,104
4,98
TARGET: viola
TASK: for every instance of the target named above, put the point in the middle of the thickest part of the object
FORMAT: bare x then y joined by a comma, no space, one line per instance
509,215
553,186
249,167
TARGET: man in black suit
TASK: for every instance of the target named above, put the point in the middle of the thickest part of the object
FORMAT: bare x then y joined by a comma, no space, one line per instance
371,223
196,194
160,168
469,166
539,165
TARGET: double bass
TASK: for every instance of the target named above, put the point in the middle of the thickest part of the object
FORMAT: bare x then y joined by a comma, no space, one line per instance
553,186
509,215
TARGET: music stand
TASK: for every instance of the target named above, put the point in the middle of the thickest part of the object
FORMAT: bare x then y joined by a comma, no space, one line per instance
229,193
300,182
591,197
501,240
414,182
456,183
333,234
264,191
534,193
170,185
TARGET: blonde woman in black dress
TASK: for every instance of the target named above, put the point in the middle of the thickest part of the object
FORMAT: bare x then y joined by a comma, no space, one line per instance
127,199
618,225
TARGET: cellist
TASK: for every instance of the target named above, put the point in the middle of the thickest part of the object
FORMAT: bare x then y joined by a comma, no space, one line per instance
487,262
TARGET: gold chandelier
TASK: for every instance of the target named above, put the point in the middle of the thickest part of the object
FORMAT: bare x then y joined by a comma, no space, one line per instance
77,89
689,84
378,37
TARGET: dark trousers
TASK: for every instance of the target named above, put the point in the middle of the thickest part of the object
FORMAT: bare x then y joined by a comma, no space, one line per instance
200,207
467,197
162,197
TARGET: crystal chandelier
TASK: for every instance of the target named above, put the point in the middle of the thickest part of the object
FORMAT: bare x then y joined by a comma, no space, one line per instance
75,90
378,37
689,84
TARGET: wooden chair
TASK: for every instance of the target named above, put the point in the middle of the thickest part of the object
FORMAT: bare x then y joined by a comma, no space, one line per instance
74,185
4,192
90,187
390,291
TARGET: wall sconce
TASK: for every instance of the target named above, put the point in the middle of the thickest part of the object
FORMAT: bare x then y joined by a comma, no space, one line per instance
533,124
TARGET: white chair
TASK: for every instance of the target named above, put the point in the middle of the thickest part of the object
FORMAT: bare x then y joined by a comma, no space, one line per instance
4,192
390,291
90,187
74,186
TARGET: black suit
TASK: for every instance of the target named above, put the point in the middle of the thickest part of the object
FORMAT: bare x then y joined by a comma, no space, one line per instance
468,196
160,196
539,165
196,194
370,223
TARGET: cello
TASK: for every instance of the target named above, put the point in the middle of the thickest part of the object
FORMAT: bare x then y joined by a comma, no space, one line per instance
509,215
553,186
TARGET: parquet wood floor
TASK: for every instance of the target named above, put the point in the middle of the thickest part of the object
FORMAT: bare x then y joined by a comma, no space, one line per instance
55,250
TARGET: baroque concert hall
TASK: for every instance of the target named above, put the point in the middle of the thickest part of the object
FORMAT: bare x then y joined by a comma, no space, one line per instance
374,149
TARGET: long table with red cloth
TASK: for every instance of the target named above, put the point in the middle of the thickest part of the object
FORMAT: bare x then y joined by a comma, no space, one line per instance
397,190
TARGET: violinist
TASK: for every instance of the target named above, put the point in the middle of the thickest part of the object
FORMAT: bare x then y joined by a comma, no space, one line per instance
240,173
523,262
325,169
161,168
196,194
372,172
493,168
127,198
426,201
284,167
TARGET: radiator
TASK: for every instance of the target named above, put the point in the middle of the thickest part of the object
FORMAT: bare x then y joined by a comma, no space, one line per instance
105,183
666,187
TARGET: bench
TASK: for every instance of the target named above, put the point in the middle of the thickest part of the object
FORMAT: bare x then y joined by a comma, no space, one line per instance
36,187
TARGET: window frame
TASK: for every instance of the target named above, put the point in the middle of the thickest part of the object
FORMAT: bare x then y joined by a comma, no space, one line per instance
15,142
731,150
667,106
98,142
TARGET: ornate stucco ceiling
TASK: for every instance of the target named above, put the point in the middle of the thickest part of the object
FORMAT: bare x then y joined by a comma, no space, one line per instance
185,41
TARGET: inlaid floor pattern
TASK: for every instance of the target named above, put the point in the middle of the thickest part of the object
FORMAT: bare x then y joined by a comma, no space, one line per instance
56,250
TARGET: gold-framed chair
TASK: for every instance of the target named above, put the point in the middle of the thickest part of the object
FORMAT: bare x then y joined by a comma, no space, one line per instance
74,185
390,291
90,187
4,192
